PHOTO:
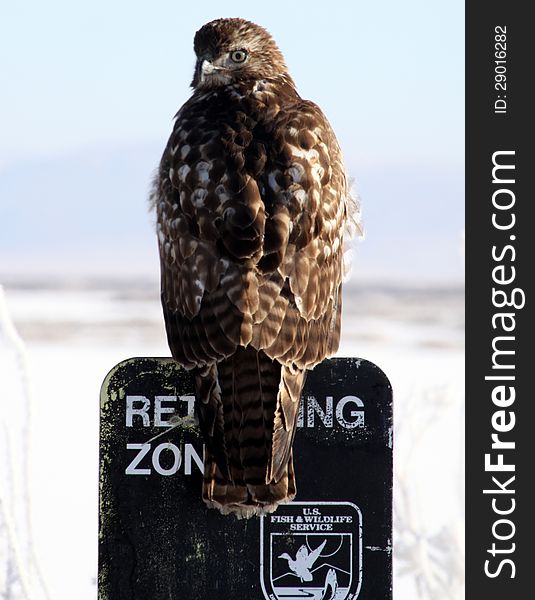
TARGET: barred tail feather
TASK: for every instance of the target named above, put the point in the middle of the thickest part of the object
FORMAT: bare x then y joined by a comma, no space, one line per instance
246,500
248,466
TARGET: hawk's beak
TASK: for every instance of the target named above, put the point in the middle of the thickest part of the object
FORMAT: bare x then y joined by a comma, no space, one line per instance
206,72
207,68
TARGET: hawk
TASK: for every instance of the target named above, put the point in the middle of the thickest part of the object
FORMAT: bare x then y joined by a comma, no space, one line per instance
252,202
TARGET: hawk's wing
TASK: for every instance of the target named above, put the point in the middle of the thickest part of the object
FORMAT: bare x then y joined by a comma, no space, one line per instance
251,219
307,197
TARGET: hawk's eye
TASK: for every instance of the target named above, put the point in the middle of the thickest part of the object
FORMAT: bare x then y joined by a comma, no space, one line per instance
238,56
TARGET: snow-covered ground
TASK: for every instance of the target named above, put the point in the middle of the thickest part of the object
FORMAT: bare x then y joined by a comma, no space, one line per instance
73,333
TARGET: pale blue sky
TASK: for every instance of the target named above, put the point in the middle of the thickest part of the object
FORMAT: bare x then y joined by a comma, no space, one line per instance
80,77
388,73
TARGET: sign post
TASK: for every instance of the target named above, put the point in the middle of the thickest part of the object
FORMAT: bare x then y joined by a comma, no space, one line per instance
158,540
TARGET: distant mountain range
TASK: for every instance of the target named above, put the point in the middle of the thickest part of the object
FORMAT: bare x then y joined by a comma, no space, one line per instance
87,213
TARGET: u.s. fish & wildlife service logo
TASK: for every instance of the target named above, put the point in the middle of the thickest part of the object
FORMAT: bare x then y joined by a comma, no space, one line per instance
311,550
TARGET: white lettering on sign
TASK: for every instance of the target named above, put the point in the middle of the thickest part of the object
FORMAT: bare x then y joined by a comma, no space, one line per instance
357,415
189,454
160,410
132,468
142,411
313,408
166,459
348,419
177,459
140,407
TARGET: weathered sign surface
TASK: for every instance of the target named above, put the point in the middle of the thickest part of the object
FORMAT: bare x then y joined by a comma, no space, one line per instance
158,541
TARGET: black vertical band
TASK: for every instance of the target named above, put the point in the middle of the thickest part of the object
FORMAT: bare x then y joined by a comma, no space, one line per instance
500,258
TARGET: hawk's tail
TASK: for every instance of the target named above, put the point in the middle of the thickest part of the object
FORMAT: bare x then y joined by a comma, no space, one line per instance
246,499
248,461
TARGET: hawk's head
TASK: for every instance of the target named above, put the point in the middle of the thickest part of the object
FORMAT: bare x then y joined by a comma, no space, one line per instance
233,50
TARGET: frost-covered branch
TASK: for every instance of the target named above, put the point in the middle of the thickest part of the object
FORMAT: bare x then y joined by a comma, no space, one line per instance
18,526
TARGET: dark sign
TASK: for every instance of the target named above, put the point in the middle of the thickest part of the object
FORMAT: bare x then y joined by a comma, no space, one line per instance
158,540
